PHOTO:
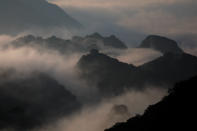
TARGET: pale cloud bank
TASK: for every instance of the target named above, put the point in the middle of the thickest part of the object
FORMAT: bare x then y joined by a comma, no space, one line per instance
99,118
131,19
110,3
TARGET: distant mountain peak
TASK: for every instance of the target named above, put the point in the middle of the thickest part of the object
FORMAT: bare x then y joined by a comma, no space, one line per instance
95,35
113,36
94,51
162,44
23,15
76,44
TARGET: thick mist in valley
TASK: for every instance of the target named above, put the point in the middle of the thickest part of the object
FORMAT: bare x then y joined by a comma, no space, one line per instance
85,65
99,112
103,115
96,111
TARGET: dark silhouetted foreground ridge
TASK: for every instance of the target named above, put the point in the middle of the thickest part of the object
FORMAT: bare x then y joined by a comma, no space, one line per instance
175,112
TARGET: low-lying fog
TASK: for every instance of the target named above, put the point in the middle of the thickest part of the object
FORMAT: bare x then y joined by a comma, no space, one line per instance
92,117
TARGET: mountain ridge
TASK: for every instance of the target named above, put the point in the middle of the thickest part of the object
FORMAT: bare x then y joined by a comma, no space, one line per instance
173,112
98,69
76,44
21,15
161,43
32,101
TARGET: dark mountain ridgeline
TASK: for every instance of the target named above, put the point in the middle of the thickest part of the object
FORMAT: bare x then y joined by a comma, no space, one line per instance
110,76
162,44
169,69
107,73
54,43
113,77
32,101
175,112
111,41
21,15
76,44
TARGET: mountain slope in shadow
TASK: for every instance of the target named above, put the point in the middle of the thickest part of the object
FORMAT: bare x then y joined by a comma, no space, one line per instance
168,69
175,112
162,44
107,73
31,101
20,15
113,77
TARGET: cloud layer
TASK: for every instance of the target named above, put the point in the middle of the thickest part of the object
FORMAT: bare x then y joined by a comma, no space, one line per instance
131,19
26,60
110,3
99,117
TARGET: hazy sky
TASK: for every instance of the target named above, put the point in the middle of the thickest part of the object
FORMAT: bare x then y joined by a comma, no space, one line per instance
135,17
